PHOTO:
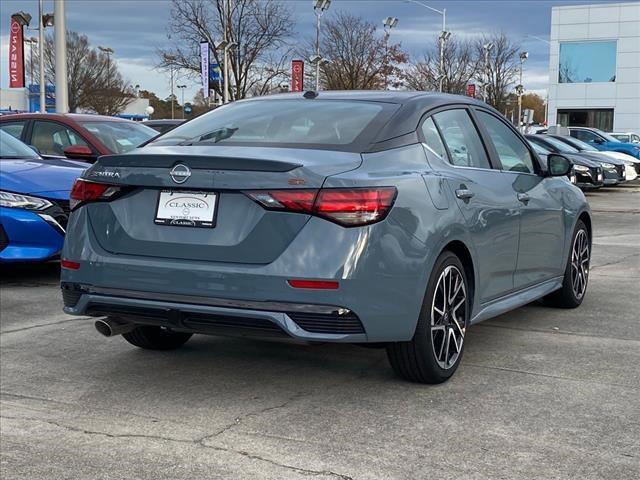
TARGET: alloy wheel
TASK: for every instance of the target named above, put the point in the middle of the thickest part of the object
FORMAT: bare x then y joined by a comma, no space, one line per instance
580,264
448,317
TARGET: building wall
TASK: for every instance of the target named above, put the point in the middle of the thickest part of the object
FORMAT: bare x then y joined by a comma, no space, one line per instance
14,99
619,22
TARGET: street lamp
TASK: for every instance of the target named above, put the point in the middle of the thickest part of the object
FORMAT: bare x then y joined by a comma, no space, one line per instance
169,59
108,52
388,23
182,87
444,36
319,7
520,89
487,47
44,21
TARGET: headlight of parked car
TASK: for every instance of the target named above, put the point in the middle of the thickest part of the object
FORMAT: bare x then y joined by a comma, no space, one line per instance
609,166
16,200
580,168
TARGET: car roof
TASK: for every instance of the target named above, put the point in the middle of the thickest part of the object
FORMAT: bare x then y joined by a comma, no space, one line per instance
164,121
77,117
412,105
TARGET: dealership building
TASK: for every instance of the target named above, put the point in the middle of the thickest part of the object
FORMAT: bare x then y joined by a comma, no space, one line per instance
594,72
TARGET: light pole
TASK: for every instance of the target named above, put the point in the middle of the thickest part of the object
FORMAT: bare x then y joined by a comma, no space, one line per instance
546,100
60,35
169,59
225,46
444,35
107,51
388,23
487,47
182,87
319,7
520,89
45,20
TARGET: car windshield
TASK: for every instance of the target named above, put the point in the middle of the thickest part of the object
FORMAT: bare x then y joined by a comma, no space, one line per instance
539,148
579,144
560,145
274,122
120,137
11,147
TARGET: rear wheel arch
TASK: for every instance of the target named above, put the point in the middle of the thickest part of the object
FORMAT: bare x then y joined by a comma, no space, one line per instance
460,250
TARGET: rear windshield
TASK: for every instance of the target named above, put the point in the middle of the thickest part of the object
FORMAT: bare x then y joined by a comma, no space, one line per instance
304,123
120,137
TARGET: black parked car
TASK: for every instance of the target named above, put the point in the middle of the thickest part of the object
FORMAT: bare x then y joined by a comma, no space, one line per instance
164,125
613,170
586,173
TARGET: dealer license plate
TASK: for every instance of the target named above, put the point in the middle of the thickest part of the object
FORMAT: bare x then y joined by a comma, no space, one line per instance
186,209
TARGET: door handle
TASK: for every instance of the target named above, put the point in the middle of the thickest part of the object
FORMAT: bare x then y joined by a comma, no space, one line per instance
464,193
524,198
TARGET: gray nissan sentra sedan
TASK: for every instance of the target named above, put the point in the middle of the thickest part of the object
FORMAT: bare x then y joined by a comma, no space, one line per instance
388,218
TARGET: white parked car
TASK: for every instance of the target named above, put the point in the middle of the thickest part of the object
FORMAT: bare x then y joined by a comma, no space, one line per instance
627,137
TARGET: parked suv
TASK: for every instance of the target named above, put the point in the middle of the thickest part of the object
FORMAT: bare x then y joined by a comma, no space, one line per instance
393,218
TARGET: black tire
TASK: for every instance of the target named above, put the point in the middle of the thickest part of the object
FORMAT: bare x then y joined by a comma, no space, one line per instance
567,297
156,338
417,359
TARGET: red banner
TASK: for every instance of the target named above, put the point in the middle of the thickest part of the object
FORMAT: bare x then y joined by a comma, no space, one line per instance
16,55
471,90
297,75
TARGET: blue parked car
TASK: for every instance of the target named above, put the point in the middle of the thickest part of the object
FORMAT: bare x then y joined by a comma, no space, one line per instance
34,201
603,141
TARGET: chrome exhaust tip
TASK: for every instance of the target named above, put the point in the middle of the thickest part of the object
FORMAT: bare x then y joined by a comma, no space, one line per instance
110,327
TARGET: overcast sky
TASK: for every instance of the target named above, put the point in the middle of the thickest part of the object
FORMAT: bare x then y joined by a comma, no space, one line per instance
136,28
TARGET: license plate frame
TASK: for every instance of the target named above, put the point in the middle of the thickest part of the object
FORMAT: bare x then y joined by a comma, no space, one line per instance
167,215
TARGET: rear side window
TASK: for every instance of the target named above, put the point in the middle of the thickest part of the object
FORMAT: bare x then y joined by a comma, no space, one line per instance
512,152
462,139
51,138
584,135
432,138
273,122
13,128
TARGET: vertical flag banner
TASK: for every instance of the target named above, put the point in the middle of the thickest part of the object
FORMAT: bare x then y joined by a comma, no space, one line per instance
204,68
16,55
297,75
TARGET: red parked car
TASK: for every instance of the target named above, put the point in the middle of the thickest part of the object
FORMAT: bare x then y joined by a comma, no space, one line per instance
76,135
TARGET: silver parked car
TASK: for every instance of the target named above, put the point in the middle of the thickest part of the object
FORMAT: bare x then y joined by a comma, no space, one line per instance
392,218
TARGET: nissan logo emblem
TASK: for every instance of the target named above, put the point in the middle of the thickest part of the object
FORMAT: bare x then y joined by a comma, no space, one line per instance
180,173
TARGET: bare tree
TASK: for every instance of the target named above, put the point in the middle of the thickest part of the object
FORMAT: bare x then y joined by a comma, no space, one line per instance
259,28
360,59
501,71
94,81
460,66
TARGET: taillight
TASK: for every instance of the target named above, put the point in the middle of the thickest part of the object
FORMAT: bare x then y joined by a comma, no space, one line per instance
84,191
348,207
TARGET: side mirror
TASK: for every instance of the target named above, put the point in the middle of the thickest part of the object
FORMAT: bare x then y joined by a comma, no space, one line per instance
79,152
558,166
598,140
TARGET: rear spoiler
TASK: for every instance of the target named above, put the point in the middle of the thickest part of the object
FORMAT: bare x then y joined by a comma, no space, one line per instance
196,162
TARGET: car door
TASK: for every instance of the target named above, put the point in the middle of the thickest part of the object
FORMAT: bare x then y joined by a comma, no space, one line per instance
482,194
51,138
540,250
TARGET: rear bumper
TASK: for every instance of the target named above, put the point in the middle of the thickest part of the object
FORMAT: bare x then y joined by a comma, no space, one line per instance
382,271
302,322
27,236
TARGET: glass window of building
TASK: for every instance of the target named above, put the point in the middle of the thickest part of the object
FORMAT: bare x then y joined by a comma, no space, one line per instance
587,62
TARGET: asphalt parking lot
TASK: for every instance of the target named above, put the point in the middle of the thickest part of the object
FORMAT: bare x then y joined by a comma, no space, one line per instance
541,393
